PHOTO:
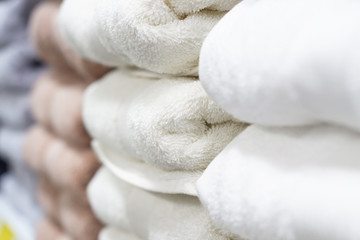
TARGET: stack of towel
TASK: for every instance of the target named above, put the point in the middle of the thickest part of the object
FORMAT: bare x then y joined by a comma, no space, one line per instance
58,147
291,68
153,126
19,67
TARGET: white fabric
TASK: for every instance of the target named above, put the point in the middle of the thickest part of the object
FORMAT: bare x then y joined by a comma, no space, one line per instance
164,36
111,233
169,123
286,62
286,183
150,216
144,175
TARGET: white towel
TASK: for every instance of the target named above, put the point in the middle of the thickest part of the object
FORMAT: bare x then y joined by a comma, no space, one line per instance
158,35
290,184
112,233
168,123
149,216
286,62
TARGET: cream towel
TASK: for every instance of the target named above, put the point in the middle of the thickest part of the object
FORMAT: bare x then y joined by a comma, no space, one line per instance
286,62
169,123
150,216
158,35
111,233
286,183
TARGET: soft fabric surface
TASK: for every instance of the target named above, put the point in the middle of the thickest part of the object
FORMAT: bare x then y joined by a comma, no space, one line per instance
145,176
75,217
158,35
266,63
111,233
66,166
35,152
47,230
53,50
168,123
286,183
57,104
148,215
14,15
19,66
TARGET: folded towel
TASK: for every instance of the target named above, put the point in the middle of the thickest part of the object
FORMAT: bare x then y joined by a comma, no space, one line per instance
267,63
169,123
75,217
19,66
111,233
47,229
48,196
78,220
148,215
57,104
289,183
35,152
66,166
14,15
52,49
158,35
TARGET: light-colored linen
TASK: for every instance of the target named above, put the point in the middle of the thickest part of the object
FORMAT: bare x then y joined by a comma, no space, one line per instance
150,216
286,183
286,62
156,132
111,233
158,35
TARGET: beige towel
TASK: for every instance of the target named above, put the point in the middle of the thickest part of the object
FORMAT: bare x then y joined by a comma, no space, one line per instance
57,103
68,167
53,50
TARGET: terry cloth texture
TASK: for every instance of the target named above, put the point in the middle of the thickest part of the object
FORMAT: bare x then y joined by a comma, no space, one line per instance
168,123
150,216
111,233
286,183
266,63
158,35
